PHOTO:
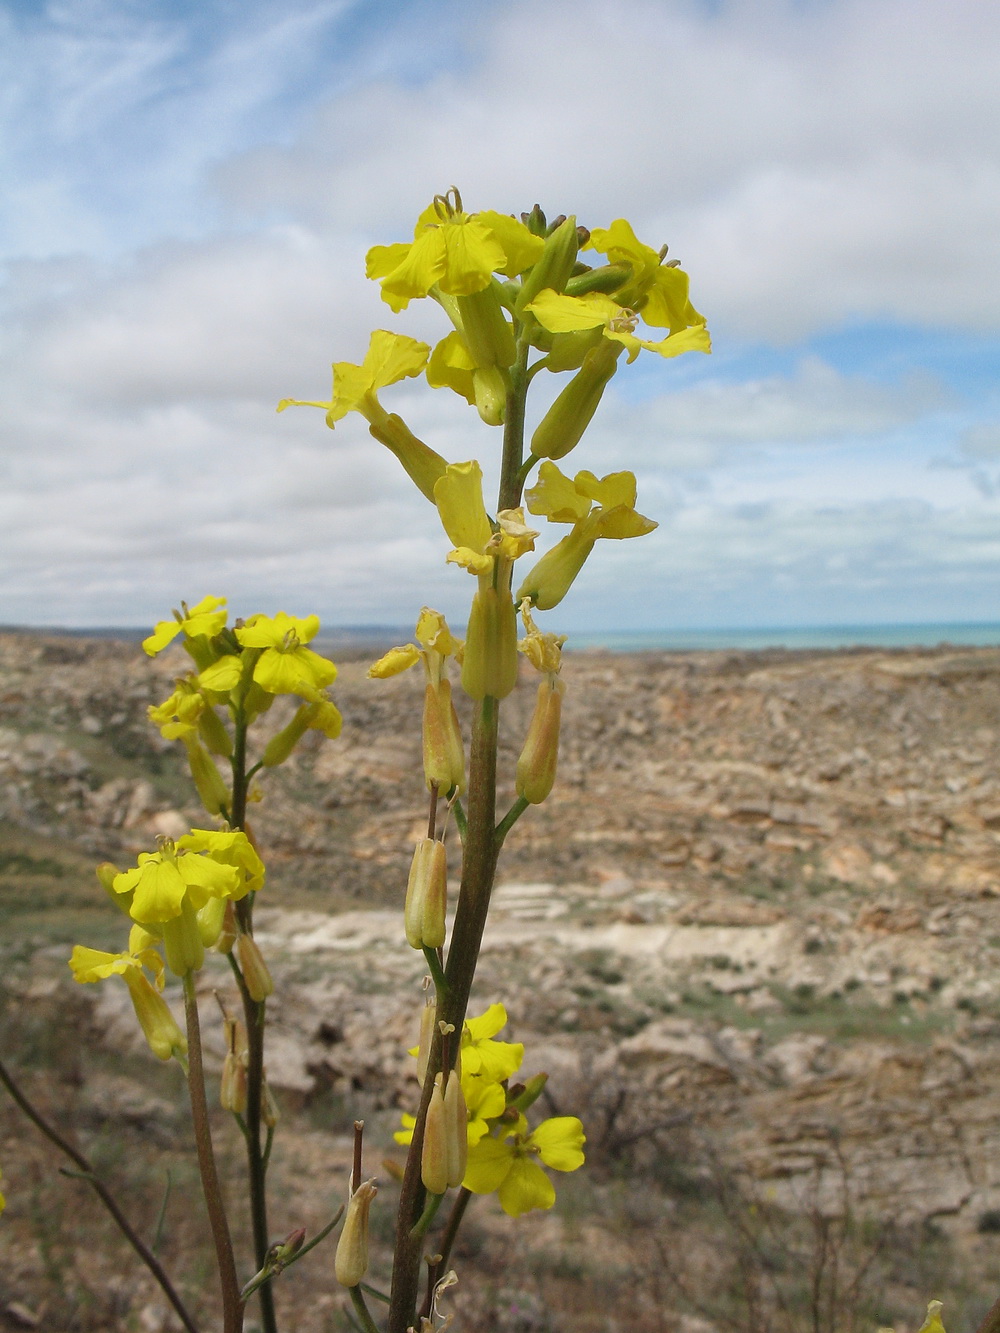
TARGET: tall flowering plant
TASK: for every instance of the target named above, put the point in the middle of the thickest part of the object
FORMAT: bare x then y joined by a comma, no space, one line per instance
520,298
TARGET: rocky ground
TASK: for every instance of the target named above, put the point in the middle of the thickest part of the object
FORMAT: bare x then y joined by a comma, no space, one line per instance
753,936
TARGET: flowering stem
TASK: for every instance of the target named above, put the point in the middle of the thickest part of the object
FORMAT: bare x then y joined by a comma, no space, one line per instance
478,867
448,1239
232,1304
434,967
88,1174
428,1215
991,1323
254,1015
510,818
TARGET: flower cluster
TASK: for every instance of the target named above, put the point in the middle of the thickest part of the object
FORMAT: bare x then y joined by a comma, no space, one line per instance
498,1151
240,670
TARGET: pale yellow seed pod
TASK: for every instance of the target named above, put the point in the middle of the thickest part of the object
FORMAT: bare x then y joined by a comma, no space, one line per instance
281,745
489,663
255,971
426,896
444,753
536,766
351,1263
212,790
456,1124
434,1161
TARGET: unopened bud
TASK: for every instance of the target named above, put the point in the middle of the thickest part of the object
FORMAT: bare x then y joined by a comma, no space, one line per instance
281,745
446,1136
606,279
228,933
489,665
554,266
182,943
107,873
351,1263
255,973
489,388
211,919
486,329
269,1112
548,582
426,895
444,753
213,732
157,1022
526,1094
233,1087
207,779
281,1255
536,767
563,425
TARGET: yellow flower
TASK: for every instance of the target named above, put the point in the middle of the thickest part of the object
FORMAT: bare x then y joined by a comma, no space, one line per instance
180,714
596,507
481,1055
658,290
452,250
157,1022
203,864
201,621
287,666
390,357
508,1165
570,314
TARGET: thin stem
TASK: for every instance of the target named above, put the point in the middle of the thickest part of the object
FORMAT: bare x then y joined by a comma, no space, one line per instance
232,1304
266,1275
510,819
436,971
513,429
462,1200
460,821
991,1323
254,1016
361,1310
427,1216
104,1194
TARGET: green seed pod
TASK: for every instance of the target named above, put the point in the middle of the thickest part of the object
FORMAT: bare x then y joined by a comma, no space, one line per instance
489,665
607,279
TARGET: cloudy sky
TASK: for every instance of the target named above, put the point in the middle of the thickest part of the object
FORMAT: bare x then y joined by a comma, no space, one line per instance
190,189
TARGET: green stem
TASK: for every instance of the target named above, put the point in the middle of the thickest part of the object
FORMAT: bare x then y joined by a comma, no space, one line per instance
513,428
232,1304
434,967
361,1310
266,1275
478,867
428,1215
104,1194
991,1323
254,1013
461,823
510,819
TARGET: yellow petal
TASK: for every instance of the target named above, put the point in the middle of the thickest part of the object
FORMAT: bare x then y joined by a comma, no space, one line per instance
560,1141
617,488
555,496
395,661
525,1188
459,499
567,314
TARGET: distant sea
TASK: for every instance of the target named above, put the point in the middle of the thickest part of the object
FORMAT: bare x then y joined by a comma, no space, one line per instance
795,636
377,638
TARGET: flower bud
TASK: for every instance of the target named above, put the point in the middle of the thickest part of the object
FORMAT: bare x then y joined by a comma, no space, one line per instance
426,895
551,579
446,1137
207,779
213,732
351,1263
536,767
526,1094
485,328
182,943
281,745
562,427
157,1022
107,872
422,464
211,919
227,935
568,351
554,266
489,388
489,666
444,754
606,279
255,974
